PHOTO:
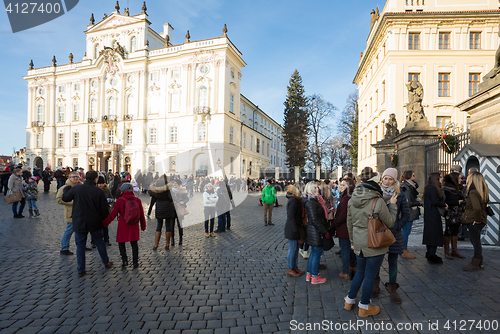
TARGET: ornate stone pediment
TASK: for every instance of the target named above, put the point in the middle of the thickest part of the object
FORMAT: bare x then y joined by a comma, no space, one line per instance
203,56
61,99
111,91
111,59
114,21
154,88
76,98
39,81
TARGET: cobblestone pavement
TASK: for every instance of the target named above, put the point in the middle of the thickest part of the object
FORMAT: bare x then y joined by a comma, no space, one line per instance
233,283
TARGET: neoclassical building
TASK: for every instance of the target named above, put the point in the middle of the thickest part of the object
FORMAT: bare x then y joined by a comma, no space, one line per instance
446,45
136,101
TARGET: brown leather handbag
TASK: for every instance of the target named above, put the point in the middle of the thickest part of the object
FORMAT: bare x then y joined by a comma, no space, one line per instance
379,235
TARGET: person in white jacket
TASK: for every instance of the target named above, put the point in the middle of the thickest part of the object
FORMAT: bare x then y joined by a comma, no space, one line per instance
209,201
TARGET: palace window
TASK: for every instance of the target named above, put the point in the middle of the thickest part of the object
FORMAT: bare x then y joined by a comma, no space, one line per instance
59,162
60,140
75,162
231,165
176,73
110,136
202,96
76,139
76,112
39,140
133,44
257,147
475,40
39,116
93,108
174,103
442,121
413,77
444,41
61,89
77,86
152,135
111,106
444,84
92,138
473,83
243,139
202,132
173,134
231,103
251,143
231,135
129,137
96,51
130,105
60,114
155,76
414,41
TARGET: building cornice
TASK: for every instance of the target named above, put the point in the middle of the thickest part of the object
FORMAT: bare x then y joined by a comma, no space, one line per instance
387,19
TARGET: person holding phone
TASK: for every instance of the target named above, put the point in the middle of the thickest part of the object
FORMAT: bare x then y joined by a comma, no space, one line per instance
391,191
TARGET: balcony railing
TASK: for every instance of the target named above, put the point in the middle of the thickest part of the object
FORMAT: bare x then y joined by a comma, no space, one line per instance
202,110
109,118
93,120
129,117
37,124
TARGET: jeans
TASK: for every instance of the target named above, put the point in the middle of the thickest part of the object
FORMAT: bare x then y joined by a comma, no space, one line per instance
209,212
66,236
345,254
268,208
105,235
406,230
21,208
221,222
32,204
392,259
135,252
60,184
475,239
293,253
368,268
431,250
81,241
228,219
313,261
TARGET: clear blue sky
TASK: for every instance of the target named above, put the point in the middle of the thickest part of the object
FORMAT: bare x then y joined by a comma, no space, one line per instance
322,39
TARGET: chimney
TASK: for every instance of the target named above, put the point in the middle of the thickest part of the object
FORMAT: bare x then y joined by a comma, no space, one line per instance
167,31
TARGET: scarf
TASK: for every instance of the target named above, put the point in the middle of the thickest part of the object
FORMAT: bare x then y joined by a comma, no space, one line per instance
412,183
387,192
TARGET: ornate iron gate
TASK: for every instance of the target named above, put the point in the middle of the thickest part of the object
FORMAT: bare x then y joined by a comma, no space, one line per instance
437,160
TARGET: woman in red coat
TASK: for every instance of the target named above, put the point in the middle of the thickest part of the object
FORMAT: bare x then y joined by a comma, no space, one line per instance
125,232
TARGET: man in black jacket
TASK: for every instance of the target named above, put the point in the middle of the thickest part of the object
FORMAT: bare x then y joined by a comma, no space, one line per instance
90,208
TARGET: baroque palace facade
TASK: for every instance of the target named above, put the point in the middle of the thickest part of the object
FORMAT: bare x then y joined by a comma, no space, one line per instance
446,45
137,102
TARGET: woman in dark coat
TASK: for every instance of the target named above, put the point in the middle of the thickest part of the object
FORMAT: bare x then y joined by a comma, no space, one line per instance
347,255
46,174
409,187
292,229
433,226
315,231
456,206
165,210
390,188
180,197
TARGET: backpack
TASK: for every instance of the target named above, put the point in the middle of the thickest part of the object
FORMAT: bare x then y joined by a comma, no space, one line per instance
132,212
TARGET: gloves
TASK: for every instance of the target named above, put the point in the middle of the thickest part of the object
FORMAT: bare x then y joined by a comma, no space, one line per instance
327,235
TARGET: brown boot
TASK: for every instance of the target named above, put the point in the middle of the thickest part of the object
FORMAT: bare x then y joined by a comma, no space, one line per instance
446,242
293,273
474,265
298,271
392,289
372,310
454,248
157,240
408,255
168,235
376,287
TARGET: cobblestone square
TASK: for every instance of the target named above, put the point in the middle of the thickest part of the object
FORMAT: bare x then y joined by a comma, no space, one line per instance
233,283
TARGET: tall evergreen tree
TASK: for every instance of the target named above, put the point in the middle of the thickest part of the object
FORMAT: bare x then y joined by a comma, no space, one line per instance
349,128
296,122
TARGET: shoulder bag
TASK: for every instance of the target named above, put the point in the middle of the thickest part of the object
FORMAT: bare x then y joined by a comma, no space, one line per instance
379,235
13,197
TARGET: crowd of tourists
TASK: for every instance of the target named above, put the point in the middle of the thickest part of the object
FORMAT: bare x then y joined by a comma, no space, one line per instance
351,211
317,212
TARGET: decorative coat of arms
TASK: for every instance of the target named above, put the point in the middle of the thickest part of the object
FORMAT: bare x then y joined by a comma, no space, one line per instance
111,59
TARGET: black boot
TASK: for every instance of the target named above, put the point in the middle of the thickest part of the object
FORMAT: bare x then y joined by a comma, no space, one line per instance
172,241
181,233
31,212
135,254
123,254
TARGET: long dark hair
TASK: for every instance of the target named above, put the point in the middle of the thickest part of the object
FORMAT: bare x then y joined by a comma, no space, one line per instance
452,179
433,180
